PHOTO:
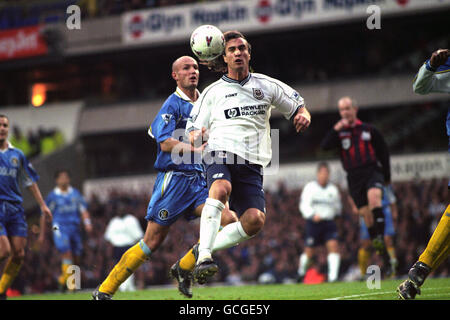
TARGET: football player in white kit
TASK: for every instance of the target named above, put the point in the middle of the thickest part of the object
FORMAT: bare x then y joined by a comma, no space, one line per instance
232,114
320,203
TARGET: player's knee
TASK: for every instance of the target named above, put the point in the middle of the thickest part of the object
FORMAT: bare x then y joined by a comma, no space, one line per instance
18,255
253,221
374,196
220,190
228,217
5,253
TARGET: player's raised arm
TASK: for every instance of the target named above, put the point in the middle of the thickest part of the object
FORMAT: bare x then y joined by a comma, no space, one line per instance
427,79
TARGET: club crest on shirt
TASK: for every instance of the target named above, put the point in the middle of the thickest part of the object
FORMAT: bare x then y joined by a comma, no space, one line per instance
346,143
166,117
258,94
14,161
365,135
163,214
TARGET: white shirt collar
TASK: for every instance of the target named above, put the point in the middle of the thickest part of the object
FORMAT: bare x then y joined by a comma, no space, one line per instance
183,96
58,191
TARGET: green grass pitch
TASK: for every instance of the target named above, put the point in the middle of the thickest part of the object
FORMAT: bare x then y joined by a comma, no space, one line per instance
433,289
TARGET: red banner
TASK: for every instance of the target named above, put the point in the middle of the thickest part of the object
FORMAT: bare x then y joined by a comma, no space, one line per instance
22,43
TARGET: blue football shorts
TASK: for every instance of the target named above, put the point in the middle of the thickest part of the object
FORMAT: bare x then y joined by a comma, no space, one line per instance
246,180
67,238
176,194
12,220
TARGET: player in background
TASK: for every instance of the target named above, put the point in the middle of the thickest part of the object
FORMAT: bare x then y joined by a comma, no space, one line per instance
15,171
232,114
390,211
365,157
320,203
69,212
433,76
180,187
122,231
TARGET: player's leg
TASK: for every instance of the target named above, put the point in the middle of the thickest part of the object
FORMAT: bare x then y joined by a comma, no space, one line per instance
14,261
227,217
437,250
182,269
219,182
304,262
66,262
132,259
5,252
14,227
364,252
61,239
333,258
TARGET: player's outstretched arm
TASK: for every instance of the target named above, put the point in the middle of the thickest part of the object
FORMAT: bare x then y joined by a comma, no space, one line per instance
34,189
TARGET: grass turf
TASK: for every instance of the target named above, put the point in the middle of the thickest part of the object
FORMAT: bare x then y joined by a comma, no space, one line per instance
433,289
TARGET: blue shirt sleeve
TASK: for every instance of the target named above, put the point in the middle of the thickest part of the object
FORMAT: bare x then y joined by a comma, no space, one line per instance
165,122
28,175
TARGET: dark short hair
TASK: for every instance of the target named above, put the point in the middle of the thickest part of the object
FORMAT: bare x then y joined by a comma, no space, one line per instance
323,164
59,171
218,64
3,116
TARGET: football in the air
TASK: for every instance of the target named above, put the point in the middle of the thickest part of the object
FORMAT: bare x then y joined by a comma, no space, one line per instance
207,42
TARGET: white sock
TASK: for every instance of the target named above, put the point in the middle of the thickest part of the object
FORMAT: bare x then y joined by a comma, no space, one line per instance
231,235
334,260
303,263
209,226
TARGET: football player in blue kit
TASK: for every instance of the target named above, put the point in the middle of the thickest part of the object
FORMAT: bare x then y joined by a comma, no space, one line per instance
69,210
433,76
15,171
180,187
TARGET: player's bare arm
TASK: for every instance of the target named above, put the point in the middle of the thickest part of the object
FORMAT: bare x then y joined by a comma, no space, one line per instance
439,57
302,120
34,189
173,145
86,217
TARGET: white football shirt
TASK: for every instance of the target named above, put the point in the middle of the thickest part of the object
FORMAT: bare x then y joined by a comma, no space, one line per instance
324,201
237,113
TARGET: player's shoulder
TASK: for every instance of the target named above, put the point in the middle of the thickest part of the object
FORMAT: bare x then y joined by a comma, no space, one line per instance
216,85
172,101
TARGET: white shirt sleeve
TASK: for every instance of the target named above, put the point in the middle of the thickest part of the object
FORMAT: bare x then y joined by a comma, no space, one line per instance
200,113
428,81
306,202
285,99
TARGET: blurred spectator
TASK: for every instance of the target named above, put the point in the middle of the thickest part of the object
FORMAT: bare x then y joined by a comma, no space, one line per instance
123,231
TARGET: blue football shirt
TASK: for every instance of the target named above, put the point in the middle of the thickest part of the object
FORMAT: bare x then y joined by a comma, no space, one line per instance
15,171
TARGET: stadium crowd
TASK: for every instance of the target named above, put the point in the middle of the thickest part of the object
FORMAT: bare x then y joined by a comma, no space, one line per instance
271,256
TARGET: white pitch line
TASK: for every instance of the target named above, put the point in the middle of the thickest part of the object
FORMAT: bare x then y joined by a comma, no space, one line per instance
379,293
